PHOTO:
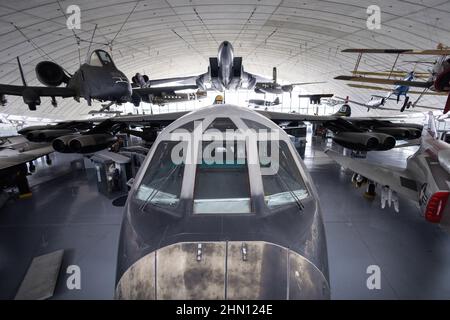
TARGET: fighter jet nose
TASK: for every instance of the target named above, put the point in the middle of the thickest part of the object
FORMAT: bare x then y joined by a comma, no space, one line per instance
223,270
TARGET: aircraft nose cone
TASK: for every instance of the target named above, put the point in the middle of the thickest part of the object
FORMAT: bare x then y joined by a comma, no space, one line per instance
223,270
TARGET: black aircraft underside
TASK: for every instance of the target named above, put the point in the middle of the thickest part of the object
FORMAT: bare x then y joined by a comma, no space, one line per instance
97,79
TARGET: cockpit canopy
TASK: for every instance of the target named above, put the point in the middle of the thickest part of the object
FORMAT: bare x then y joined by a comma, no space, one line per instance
221,160
100,58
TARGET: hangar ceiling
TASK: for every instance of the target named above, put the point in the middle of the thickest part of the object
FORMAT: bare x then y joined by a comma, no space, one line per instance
163,38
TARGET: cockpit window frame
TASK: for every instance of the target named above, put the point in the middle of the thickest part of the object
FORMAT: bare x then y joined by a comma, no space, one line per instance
257,200
96,60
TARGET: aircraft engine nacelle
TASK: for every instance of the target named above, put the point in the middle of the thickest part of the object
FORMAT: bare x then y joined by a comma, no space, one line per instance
91,142
385,141
31,98
364,141
51,74
400,133
47,135
287,88
136,99
61,144
140,80
83,143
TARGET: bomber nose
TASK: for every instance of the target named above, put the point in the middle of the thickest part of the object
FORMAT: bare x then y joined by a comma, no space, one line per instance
223,270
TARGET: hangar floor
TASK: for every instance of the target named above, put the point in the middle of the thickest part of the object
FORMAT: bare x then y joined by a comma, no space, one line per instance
69,213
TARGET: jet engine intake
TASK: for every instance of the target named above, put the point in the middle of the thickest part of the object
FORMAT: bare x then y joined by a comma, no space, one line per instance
91,142
364,141
47,135
83,143
51,74
399,132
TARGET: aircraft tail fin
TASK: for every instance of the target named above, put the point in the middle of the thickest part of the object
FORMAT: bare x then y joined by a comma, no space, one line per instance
21,72
276,101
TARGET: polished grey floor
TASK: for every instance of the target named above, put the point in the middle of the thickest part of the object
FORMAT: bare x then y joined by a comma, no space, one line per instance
68,213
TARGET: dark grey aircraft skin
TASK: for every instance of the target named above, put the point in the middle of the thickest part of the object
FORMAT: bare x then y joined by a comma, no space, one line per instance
177,253
101,82
97,79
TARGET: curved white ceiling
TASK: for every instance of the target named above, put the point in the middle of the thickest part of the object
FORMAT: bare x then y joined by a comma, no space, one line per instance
162,38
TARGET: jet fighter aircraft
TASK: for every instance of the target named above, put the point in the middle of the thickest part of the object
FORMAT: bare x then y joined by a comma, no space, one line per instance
225,72
97,79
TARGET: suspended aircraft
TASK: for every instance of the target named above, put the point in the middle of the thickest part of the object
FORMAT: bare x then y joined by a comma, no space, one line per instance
256,103
438,80
274,87
424,180
377,103
97,79
225,72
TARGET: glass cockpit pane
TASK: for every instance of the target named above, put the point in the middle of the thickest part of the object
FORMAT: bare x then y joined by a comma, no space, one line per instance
161,184
95,60
105,58
285,184
222,183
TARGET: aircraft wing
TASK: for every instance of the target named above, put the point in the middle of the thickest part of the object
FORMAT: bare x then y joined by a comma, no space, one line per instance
161,118
352,101
393,73
425,107
256,78
15,90
10,158
306,83
158,90
398,179
283,116
361,86
419,84
188,80
432,52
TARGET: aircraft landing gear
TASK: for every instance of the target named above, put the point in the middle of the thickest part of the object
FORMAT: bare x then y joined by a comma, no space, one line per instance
48,160
370,191
54,102
358,180
31,167
405,104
